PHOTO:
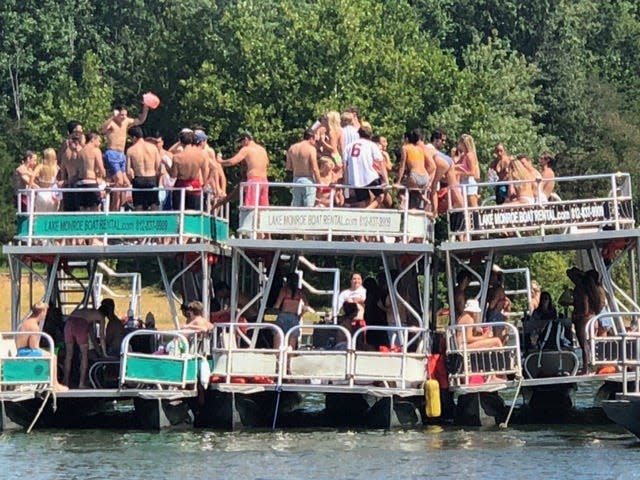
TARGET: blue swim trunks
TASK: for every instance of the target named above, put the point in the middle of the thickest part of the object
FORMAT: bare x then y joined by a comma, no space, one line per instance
29,352
114,162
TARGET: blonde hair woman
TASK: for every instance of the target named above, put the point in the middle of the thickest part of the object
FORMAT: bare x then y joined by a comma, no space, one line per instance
468,168
520,192
45,176
334,143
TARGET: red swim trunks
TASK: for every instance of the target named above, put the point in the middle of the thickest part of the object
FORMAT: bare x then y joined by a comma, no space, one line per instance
76,330
253,197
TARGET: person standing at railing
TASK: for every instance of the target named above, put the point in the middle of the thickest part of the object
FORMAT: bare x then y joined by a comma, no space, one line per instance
413,161
302,162
90,170
46,177
356,294
68,175
190,168
217,181
29,345
522,191
115,128
24,178
499,172
143,170
255,158
292,303
332,141
195,319
468,169
548,176
360,157
442,167
328,177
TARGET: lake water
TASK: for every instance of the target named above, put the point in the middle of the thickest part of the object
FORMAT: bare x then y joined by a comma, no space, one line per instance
545,452
598,450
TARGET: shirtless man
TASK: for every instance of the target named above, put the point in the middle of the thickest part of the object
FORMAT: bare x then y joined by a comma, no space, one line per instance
78,329
143,169
256,160
115,128
195,318
190,168
217,181
302,160
90,169
68,158
442,167
29,345
24,178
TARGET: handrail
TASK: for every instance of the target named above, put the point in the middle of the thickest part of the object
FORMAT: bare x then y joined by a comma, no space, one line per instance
483,362
104,224
381,224
543,217
184,354
7,356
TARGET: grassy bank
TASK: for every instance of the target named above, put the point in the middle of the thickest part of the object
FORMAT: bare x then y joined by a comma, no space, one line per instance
153,300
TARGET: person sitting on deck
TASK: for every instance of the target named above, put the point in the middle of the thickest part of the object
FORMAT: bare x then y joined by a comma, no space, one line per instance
534,327
79,330
29,345
473,338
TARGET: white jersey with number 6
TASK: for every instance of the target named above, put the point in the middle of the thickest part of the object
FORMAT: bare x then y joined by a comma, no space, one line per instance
359,159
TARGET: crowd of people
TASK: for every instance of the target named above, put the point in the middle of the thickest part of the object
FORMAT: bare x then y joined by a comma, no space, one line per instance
340,149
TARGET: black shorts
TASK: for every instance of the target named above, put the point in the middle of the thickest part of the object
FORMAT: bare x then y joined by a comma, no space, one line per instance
86,199
191,200
70,201
145,199
363,194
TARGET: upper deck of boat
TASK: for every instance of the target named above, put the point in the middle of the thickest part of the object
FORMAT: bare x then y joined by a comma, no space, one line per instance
328,230
594,209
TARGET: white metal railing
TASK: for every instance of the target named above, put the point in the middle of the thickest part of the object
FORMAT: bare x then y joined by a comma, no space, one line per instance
176,363
343,364
475,366
103,224
333,222
613,210
612,342
25,370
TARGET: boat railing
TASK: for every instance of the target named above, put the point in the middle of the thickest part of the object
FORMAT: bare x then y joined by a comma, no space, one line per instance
329,220
176,363
477,367
33,371
38,225
234,357
614,342
609,208
341,360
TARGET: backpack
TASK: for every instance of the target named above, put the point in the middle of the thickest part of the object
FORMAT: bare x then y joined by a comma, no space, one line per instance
554,337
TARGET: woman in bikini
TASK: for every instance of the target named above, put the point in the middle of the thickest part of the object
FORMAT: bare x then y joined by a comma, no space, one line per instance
45,176
327,178
291,302
468,168
520,192
332,140
413,163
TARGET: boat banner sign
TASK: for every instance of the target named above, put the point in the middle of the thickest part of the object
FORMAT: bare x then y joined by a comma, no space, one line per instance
565,213
101,224
340,220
